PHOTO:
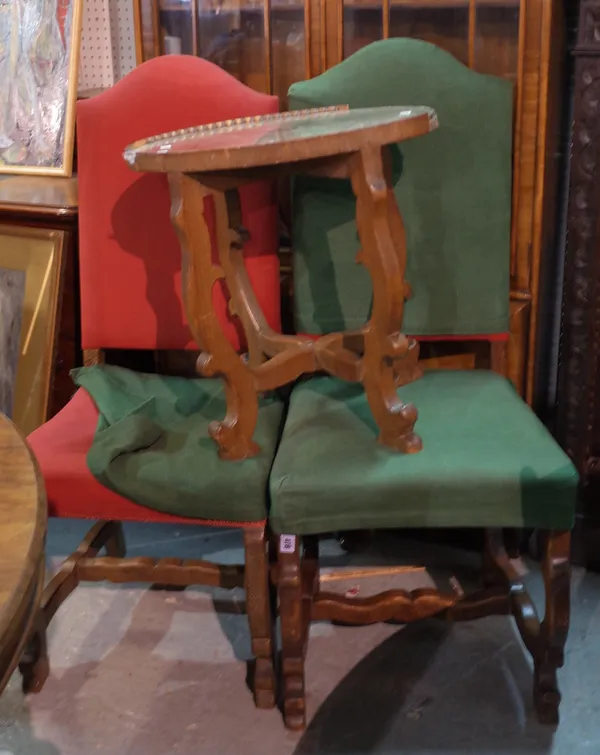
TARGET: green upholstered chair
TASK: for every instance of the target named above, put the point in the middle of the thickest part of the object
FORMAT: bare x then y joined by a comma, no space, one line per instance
487,462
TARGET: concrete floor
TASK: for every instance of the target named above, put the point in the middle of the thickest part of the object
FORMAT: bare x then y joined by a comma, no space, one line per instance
141,672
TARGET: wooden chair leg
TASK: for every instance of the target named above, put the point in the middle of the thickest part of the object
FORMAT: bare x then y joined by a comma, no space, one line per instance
107,535
260,615
555,626
293,610
34,665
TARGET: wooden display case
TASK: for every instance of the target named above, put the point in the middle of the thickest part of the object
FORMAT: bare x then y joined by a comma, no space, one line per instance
269,44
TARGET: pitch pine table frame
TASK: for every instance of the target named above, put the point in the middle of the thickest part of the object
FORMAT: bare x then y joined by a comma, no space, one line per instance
215,160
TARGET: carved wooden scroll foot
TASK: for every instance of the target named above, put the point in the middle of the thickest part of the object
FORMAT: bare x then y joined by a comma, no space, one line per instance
384,254
234,434
408,369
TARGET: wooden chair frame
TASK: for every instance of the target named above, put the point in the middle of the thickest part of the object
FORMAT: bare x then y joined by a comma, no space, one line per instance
86,565
502,593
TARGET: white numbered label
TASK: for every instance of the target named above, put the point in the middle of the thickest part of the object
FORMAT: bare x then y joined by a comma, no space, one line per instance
287,543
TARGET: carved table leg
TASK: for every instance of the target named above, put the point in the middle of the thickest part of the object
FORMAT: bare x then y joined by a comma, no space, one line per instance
293,355
234,434
384,254
407,368
553,634
258,608
294,629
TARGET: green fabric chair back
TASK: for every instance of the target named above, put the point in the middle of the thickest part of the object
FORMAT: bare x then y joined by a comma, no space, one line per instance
453,188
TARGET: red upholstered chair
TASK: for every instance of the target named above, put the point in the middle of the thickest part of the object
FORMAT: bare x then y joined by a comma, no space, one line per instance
130,299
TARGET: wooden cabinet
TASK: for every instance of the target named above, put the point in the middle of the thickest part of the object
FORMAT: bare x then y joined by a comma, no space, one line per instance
52,203
263,45
268,44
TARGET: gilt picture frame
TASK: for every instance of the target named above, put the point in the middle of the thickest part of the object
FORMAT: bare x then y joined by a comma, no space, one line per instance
31,272
39,63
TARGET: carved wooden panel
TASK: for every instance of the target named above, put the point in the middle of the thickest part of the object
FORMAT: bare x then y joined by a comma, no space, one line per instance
578,415
589,26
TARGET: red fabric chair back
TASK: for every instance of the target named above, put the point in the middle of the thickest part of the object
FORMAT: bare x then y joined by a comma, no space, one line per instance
130,259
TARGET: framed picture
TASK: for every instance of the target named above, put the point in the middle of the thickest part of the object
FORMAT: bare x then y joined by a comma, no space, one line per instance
39,61
31,263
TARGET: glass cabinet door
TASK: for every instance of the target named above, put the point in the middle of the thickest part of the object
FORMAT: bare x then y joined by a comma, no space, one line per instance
260,42
445,24
269,44
482,34
289,53
362,24
496,44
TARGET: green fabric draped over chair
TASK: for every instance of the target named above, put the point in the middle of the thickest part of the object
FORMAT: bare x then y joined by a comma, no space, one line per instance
152,445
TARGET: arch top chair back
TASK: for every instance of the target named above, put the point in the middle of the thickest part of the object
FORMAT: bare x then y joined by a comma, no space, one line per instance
130,258
453,190
130,280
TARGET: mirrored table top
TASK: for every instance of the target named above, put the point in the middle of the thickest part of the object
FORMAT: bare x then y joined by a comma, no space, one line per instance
278,138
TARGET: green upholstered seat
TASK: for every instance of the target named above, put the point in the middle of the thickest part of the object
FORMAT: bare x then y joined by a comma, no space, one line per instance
453,188
152,445
487,461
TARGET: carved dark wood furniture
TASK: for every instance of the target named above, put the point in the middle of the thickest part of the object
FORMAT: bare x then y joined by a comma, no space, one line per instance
130,299
578,419
22,535
487,462
217,159
51,203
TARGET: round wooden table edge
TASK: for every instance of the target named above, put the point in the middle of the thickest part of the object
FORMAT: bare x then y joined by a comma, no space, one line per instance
18,610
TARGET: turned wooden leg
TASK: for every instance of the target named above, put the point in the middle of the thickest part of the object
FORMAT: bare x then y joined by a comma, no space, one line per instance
34,664
234,434
553,633
385,347
294,629
260,616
